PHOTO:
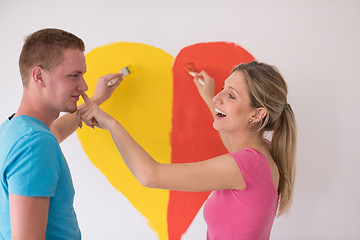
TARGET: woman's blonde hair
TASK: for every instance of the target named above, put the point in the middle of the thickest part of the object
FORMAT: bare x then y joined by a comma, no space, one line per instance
268,89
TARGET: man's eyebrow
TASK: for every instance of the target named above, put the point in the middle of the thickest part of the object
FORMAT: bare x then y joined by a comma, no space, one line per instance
76,71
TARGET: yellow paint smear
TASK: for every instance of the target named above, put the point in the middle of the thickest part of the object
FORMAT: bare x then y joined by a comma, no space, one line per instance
143,104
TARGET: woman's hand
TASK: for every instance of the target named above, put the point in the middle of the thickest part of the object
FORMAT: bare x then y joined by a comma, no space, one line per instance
205,85
92,115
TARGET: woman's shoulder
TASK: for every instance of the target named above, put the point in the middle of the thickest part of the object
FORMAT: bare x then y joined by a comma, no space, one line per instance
247,152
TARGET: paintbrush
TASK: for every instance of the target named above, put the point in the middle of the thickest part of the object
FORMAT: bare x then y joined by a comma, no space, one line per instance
191,70
125,71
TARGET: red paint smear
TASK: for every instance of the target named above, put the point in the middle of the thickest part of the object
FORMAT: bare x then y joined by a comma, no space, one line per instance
193,137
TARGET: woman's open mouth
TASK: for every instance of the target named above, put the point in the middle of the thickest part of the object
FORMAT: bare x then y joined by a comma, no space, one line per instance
220,113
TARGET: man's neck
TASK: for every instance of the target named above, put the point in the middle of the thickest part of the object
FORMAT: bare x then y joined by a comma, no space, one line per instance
36,109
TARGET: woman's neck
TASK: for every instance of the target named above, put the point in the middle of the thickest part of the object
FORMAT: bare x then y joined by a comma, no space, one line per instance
247,140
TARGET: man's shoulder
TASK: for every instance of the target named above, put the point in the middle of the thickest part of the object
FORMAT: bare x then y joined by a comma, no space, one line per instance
27,130
24,125
23,139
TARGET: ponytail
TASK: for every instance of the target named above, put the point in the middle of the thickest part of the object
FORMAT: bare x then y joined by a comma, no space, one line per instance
283,151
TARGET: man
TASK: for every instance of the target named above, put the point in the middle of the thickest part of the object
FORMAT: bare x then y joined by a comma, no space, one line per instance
36,192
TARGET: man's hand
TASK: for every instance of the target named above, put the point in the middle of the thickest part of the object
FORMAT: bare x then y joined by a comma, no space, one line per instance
102,91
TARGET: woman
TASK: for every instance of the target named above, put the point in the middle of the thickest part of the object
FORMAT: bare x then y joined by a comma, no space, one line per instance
248,183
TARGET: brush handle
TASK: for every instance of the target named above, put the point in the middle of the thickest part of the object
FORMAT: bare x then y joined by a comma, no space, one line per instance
200,80
112,82
125,71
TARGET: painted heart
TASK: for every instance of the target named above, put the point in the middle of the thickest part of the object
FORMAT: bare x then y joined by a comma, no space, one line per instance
159,105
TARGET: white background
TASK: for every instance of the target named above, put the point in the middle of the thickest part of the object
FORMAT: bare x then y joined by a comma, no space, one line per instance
315,45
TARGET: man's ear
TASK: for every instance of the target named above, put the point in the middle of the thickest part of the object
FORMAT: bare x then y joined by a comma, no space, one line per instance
259,114
38,76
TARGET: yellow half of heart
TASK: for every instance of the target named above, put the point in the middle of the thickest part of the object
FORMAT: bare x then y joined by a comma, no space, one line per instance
143,104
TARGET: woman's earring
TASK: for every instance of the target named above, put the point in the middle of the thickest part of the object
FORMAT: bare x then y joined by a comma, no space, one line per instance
251,120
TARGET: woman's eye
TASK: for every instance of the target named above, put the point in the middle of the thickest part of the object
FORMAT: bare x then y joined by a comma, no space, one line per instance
231,96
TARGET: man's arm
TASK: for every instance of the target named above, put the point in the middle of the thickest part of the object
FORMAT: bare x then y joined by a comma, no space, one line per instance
66,125
28,217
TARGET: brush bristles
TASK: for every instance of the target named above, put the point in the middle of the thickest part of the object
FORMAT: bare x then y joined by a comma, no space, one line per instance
125,71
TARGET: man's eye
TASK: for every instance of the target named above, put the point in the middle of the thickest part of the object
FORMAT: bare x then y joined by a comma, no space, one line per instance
231,96
74,75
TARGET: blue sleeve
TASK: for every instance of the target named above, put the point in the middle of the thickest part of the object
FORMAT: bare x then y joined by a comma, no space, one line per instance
35,166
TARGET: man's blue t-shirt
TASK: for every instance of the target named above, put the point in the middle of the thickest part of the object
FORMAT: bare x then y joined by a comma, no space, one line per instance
32,164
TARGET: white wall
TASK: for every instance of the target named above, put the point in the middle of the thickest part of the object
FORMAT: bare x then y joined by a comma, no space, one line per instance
315,44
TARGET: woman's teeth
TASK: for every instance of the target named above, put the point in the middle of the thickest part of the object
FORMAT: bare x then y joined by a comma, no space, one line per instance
220,113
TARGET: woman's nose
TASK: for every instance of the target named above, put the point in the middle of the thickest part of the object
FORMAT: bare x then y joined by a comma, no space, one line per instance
217,99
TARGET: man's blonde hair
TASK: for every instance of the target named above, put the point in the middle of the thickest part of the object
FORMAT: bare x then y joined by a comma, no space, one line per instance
44,48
